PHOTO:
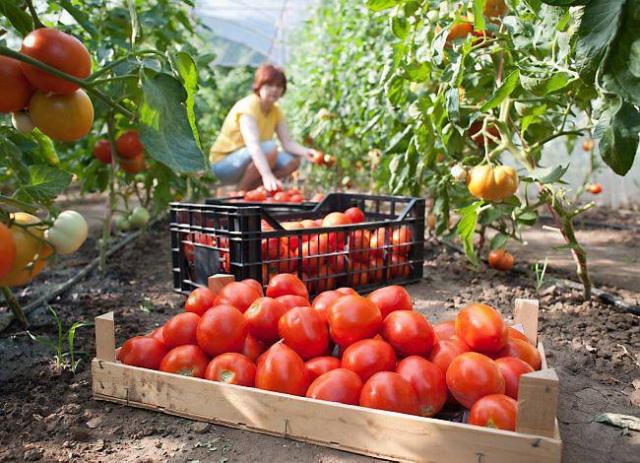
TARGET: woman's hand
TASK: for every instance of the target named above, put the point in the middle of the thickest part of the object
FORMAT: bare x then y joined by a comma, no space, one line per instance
270,182
310,154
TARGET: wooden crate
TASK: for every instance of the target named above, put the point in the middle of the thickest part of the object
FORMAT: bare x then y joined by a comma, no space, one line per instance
376,433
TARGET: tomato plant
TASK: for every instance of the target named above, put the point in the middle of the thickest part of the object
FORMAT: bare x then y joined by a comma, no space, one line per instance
232,368
338,385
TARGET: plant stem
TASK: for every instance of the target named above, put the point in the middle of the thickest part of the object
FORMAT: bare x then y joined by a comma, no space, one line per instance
556,135
107,67
88,86
37,24
106,227
14,305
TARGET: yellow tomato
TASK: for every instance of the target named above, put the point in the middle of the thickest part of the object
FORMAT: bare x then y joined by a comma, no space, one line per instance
31,250
62,117
492,184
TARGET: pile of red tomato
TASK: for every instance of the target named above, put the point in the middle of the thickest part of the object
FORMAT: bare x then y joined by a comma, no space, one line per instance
58,107
373,351
262,195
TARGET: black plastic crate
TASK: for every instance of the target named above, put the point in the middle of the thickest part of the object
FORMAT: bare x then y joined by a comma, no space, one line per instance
250,241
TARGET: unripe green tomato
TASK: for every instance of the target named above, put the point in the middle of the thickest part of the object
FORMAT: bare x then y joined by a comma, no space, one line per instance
433,16
122,223
139,217
67,233
22,122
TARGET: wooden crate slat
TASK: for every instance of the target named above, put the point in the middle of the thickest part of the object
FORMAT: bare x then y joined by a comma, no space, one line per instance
371,432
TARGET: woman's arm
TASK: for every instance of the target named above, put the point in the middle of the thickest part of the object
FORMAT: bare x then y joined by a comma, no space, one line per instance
251,137
289,145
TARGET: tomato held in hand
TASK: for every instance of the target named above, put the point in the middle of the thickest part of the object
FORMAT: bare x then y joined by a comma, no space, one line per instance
339,385
280,369
252,348
471,376
500,260
320,365
181,329
391,298
222,329
15,89
444,330
494,411
304,330
128,144
481,327
512,368
446,350
199,301
187,360
142,351
102,151
368,357
522,350
389,391
263,316
408,332
286,284
428,381
231,368
62,117
352,318
59,50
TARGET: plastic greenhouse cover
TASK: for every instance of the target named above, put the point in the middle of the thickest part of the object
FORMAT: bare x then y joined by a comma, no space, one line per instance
250,32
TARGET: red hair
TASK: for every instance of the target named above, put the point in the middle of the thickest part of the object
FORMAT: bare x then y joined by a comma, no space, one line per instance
268,74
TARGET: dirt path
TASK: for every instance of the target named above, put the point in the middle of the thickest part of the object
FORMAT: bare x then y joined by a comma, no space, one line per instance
51,416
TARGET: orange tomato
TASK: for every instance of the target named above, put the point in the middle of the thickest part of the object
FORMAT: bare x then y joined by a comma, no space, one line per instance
15,89
500,260
66,117
492,184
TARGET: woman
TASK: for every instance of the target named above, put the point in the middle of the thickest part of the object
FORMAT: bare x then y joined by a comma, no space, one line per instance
244,152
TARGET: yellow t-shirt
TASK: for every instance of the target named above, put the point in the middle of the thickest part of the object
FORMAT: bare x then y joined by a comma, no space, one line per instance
230,138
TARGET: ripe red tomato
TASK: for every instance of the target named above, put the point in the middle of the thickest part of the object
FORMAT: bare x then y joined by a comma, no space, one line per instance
347,291
281,197
471,376
237,294
15,89
368,357
290,301
7,250
286,283
62,117
481,327
512,368
408,332
355,214
444,330
181,329
352,318
255,196
339,385
255,284
263,316
59,50
389,391
399,268
402,240
517,334
359,244
391,298
133,165
428,381
158,335
102,151
280,369
500,260
296,199
377,242
222,329
494,411
336,239
142,351
459,30
273,248
187,360
128,145
231,368
199,301
304,330
522,350
323,300
320,365
252,348
446,350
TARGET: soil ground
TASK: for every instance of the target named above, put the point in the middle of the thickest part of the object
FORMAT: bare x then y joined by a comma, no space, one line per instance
49,415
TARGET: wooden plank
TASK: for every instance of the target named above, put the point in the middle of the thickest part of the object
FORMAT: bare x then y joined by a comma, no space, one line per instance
525,313
105,337
219,281
356,429
538,403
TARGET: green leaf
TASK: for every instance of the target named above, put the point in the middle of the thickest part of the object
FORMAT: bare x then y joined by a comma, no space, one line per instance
164,125
400,27
452,98
478,14
598,28
12,157
618,130
556,174
466,228
527,217
565,2
81,16
380,5
188,73
507,87
45,184
545,86
417,72
18,18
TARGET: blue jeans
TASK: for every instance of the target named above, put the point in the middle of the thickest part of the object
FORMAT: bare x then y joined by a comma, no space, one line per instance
231,168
